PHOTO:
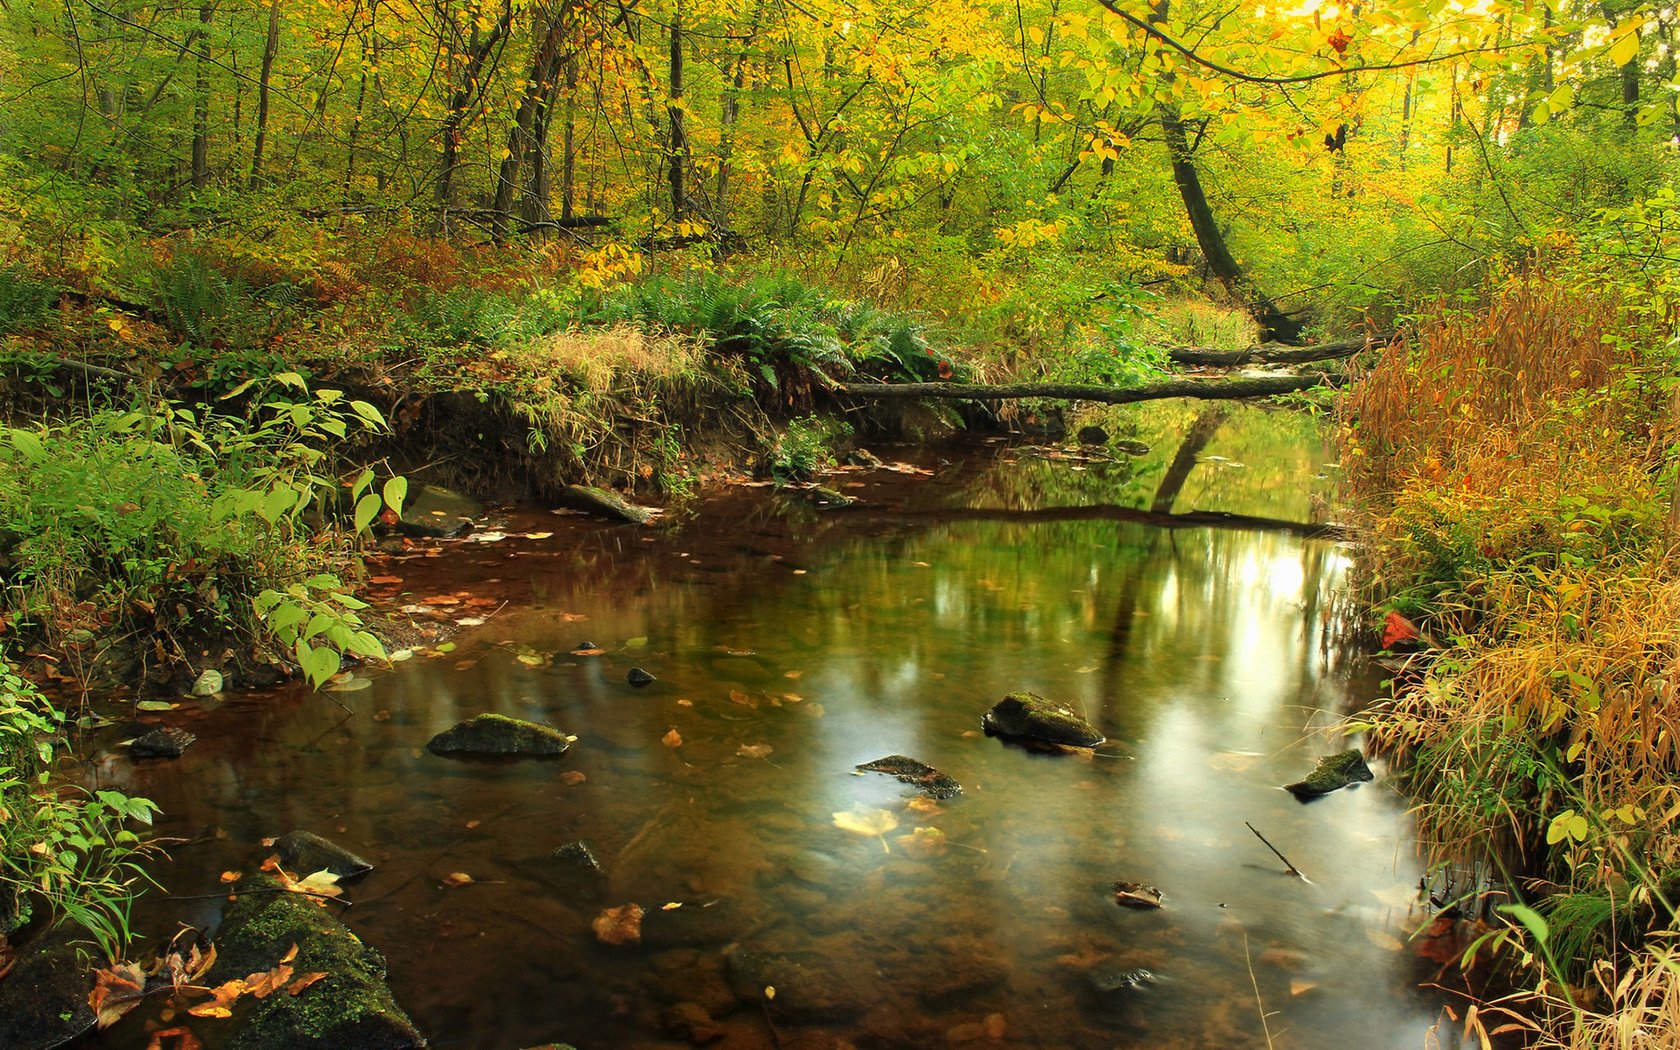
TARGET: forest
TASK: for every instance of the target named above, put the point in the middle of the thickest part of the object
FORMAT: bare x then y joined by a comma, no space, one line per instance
269,270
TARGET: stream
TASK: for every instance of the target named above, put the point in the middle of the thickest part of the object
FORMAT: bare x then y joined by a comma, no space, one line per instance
791,644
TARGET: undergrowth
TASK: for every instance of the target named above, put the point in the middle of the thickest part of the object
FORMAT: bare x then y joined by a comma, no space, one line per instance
1516,469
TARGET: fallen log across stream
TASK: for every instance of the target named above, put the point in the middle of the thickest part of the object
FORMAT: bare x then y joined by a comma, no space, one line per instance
1218,389
1195,519
1274,354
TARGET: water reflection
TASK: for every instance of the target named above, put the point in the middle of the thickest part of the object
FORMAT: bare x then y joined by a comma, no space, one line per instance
1210,657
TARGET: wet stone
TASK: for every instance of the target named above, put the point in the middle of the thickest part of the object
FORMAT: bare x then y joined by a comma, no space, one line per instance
1136,895
577,856
44,1000
1030,717
811,987
490,734
436,512
1093,435
689,975
163,742
962,972
1115,977
604,504
814,868
638,677
695,924
689,1022
932,782
1331,774
304,852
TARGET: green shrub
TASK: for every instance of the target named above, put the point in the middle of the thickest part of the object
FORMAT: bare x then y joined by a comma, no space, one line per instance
22,299
67,848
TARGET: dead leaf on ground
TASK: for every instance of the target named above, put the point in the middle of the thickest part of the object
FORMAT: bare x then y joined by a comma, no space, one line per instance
566,617
671,739
384,581
440,599
457,878
620,925
754,750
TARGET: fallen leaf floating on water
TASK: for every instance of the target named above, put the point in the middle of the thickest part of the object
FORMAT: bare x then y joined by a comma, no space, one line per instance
754,750
738,697
921,804
670,905
572,778
1297,987
588,649
620,925
456,879
671,739
232,876
116,991
876,822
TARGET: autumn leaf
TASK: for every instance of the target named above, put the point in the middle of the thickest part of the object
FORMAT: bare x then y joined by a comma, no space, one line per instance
1398,629
572,778
754,750
232,876
1339,40
321,883
116,991
456,879
671,739
923,843
921,804
875,822
620,925
738,697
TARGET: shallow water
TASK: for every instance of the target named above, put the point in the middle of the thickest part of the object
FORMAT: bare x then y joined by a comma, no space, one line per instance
791,645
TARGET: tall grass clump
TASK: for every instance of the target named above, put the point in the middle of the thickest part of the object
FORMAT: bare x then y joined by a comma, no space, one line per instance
1513,466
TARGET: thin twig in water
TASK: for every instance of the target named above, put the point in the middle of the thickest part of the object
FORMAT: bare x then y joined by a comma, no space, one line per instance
1293,870
1248,957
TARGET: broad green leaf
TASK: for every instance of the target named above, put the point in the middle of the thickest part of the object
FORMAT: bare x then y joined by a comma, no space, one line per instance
1531,920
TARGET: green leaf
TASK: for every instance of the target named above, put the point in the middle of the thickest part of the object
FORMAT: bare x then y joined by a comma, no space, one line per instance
291,379
395,492
367,508
1530,919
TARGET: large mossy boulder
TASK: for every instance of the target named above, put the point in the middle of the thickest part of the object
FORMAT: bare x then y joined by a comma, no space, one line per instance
349,1009
604,504
1028,717
44,1000
1331,774
490,734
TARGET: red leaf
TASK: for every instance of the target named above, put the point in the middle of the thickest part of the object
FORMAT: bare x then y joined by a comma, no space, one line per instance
1398,629
1340,40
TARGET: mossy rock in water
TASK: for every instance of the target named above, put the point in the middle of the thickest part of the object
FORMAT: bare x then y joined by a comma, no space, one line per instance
305,852
44,1000
1332,773
600,502
348,1009
1028,716
435,512
499,735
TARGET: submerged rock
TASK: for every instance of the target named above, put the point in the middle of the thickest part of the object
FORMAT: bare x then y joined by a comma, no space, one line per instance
1136,895
1113,977
490,734
1332,773
437,513
163,742
1028,716
348,1009
862,457
579,856
604,504
824,498
304,853
638,677
811,987
1093,435
930,780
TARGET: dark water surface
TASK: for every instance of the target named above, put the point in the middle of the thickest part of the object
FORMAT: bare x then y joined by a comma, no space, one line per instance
791,645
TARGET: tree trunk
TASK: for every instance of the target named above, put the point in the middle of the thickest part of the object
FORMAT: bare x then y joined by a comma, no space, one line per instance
1210,390
735,81
679,133
460,105
271,47
201,102
1184,460
521,138
1274,324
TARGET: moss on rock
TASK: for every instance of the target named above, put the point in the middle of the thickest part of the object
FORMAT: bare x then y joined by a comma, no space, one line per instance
349,1009
1332,773
1028,716
490,734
